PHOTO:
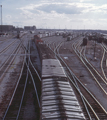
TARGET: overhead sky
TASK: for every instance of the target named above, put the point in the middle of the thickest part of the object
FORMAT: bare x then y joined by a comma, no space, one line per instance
69,14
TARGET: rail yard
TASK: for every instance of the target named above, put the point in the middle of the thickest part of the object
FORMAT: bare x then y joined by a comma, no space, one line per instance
53,75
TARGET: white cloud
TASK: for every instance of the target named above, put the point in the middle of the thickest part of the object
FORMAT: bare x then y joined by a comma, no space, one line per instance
8,16
55,13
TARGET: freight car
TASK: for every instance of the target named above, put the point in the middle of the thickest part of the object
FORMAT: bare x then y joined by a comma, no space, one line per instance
37,39
43,50
69,38
58,100
84,41
105,40
89,37
100,39
46,34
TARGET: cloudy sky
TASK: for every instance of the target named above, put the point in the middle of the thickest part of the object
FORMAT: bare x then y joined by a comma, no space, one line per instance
69,14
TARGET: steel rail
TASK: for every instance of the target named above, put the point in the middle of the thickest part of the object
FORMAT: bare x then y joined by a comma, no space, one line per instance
96,71
77,87
32,79
97,101
15,86
14,90
102,63
88,92
27,64
105,46
82,97
11,54
34,68
33,65
8,57
28,70
34,85
7,47
92,65
84,86
23,92
91,72
84,100
92,95
17,50
74,78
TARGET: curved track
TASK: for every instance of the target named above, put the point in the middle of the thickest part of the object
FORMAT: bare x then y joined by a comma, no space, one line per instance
94,109
27,85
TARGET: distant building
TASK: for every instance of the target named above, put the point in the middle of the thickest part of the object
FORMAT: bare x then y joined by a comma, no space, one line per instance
29,27
6,28
19,29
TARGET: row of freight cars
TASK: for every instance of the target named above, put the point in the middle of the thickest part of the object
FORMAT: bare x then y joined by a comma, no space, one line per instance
99,39
69,36
47,34
58,100
54,33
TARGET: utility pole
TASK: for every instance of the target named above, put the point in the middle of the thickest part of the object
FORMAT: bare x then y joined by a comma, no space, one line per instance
94,49
1,18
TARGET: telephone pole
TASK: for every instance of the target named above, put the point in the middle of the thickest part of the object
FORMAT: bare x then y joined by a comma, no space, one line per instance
1,18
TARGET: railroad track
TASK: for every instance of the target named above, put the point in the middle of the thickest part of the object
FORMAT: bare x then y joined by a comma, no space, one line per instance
7,100
51,43
9,61
103,61
27,87
93,109
82,54
13,108
96,75
9,57
6,70
7,47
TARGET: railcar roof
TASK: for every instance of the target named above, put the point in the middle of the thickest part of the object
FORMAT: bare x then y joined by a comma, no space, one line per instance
52,67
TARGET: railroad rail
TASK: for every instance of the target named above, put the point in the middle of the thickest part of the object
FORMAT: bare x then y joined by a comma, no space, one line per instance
90,105
96,75
87,97
102,61
27,82
58,100
8,62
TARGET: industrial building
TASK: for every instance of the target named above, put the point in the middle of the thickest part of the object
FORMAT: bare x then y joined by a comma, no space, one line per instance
29,27
6,28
